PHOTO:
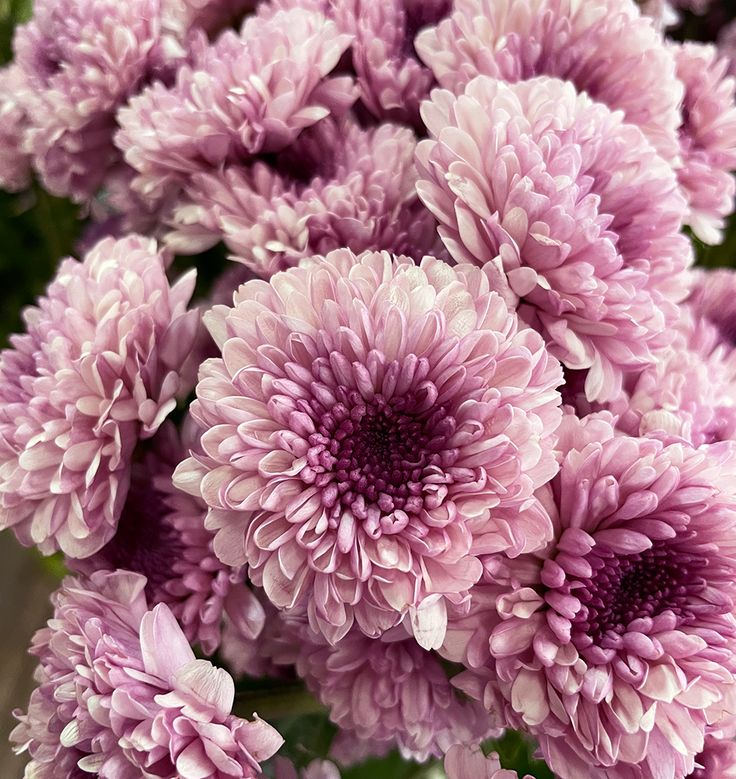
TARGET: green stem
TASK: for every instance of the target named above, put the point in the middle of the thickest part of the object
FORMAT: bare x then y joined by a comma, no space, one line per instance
282,701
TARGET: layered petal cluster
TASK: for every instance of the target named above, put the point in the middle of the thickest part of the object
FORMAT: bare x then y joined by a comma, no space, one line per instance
161,535
574,206
245,94
389,691
372,426
690,393
391,79
465,762
15,164
615,647
361,196
707,138
100,365
80,60
606,49
121,694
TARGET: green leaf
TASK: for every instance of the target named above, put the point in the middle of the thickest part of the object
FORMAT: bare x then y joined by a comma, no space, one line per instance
516,752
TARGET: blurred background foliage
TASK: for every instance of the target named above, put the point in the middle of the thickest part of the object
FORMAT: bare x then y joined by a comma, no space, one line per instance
36,230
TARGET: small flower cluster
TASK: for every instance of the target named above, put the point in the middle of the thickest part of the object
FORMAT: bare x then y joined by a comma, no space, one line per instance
452,441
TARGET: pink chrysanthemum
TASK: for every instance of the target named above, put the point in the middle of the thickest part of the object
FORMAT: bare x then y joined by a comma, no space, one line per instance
81,59
121,694
371,427
388,691
470,763
707,137
690,393
607,49
15,164
614,648
247,93
714,298
101,363
361,196
577,209
161,535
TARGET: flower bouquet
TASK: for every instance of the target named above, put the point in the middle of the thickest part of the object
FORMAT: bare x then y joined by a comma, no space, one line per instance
384,425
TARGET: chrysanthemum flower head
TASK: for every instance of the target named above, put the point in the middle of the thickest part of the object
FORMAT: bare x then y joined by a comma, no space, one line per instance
161,535
80,60
244,94
362,195
388,691
15,164
574,206
102,360
371,427
606,49
121,694
707,137
614,648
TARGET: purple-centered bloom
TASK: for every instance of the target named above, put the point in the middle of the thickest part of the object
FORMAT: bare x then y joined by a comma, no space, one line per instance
574,206
121,694
614,647
161,535
15,164
245,94
361,196
372,426
707,137
103,358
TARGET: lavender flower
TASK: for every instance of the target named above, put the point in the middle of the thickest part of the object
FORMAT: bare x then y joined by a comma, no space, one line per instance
121,694
101,363
575,208
351,430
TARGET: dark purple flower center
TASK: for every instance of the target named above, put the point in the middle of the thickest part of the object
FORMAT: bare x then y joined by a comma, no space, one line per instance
145,542
624,588
373,456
